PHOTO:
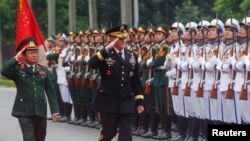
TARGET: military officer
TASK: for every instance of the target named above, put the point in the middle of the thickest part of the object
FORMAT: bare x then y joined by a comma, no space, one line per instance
32,81
120,89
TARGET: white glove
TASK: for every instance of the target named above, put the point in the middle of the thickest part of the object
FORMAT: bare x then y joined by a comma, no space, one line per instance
149,81
139,59
111,45
67,69
47,53
72,58
79,58
149,61
86,75
86,58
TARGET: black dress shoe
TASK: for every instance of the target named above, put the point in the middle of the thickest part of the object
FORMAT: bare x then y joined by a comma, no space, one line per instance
134,129
164,136
64,119
72,121
143,131
136,132
78,122
89,123
193,139
93,124
149,134
179,138
174,127
187,138
98,125
84,123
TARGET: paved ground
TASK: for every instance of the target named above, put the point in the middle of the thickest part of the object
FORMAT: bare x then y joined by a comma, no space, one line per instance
10,130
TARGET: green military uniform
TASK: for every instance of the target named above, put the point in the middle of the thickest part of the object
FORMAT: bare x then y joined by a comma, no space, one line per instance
30,99
33,82
160,85
52,57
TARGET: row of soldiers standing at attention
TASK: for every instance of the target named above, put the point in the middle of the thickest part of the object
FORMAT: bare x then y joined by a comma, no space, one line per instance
193,75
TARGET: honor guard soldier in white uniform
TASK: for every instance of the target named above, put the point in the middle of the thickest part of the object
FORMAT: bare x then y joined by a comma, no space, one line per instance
244,34
227,72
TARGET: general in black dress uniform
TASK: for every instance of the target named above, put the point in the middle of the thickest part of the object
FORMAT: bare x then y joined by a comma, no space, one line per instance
120,91
32,82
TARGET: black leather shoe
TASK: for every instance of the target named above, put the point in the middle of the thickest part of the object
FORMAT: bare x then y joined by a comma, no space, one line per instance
64,119
193,139
72,121
164,136
136,132
78,122
149,134
143,131
179,138
187,138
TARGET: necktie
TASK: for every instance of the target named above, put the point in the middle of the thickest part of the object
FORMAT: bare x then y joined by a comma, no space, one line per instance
31,68
120,55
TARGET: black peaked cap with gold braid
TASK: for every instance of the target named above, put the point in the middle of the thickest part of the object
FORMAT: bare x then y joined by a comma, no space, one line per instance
119,31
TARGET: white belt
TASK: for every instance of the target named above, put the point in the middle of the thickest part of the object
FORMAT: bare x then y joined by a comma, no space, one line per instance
161,67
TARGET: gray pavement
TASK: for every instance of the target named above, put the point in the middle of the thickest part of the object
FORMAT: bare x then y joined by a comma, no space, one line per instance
10,130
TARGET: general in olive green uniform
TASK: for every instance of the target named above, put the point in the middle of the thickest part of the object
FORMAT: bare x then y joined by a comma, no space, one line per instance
30,106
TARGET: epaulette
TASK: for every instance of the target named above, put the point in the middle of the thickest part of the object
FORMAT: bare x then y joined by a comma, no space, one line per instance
22,65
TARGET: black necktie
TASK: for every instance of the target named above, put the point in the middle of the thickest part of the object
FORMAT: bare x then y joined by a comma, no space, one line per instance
120,55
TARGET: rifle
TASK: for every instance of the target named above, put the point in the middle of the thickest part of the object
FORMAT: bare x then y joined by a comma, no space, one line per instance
243,93
92,83
85,80
230,91
147,88
78,80
187,88
175,88
200,91
213,93
70,79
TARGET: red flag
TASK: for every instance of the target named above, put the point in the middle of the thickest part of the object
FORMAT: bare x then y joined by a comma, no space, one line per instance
26,24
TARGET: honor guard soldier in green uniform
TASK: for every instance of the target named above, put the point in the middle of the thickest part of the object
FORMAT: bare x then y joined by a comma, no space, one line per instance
120,89
52,57
73,51
32,82
160,82
150,116
139,38
77,80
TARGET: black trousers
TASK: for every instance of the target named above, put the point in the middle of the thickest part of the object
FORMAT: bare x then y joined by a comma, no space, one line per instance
110,123
33,128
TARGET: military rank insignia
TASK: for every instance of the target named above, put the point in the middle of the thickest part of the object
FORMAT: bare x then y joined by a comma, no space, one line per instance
132,59
42,73
108,72
110,61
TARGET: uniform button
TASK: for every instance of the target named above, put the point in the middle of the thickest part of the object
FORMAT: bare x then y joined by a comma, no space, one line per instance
123,67
123,72
122,78
33,76
109,65
34,82
35,89
35,96
21,100
122,85
101,91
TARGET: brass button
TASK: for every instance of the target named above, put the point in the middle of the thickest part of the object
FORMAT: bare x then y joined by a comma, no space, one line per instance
34,82
33,76
122,85
35,96
123,72
122,78
35,89
21,100
123,67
